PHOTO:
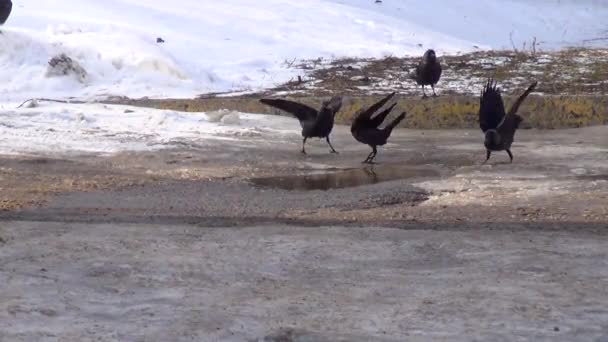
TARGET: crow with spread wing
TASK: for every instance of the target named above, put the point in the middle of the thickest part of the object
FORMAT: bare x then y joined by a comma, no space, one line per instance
315,124
499,126
365,128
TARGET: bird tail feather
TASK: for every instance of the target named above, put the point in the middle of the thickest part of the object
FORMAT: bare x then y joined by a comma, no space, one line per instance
395,122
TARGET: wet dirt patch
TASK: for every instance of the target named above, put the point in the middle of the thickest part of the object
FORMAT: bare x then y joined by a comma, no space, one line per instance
598,177
344,179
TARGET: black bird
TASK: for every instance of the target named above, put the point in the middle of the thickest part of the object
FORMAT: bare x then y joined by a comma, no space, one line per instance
5,10
499,127
315,124
428,71
366,129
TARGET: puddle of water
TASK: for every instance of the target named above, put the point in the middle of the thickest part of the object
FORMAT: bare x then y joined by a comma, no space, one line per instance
344,179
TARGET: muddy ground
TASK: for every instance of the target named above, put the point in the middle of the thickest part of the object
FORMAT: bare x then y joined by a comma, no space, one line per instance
213,241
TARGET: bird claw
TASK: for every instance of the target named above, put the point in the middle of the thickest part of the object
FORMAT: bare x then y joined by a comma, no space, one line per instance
334,151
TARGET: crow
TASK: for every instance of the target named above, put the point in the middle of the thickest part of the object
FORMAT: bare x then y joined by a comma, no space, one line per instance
499,127
365,128
315,124
5,10
428,71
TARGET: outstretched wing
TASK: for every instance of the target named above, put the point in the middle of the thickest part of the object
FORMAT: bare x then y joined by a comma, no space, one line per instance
511,121
331,106
521,99
300,111
491,107
363,118
379,119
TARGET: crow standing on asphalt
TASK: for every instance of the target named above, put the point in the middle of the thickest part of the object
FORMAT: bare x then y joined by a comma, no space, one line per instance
499,127
315,124
366,129
428,71
5,10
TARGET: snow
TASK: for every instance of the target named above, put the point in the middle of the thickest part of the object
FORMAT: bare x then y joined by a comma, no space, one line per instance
243,45
501,24
98,128
236,46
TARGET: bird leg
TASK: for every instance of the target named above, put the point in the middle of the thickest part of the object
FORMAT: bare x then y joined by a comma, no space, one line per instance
304,143
372,155
433,87
510,155
367,160
423,93
329,143
488,152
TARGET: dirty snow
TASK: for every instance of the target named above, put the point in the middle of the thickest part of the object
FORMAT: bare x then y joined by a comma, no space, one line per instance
210,46
238,45
57,127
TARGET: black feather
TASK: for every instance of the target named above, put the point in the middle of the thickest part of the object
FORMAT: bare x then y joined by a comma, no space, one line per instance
377,120
300,111
5,10
499,127
491,107
315,124
428,71
365,128
363,118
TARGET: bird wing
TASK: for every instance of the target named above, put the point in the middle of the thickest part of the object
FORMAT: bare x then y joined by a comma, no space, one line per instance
521,99
300,111
377,120
491,107
332,106
364,116
511,121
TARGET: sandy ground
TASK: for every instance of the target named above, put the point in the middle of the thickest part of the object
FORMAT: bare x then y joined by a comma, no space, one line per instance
179,244
126,282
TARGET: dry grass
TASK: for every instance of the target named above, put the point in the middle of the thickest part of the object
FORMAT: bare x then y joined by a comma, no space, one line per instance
566,72
575,79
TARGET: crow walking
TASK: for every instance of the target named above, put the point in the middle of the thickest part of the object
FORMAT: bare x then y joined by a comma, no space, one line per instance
5,10
428,71
499,127
315,124
365,129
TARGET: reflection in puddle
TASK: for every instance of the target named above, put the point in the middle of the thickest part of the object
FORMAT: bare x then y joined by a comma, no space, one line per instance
344,179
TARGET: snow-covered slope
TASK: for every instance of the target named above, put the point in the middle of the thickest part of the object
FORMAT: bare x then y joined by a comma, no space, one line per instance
244,45
501,24
98,128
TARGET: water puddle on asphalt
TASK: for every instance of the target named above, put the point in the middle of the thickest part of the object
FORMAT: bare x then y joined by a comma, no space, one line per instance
344,179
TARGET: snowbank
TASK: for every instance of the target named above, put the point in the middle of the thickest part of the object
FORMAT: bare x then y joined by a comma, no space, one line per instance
56,128
215,46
